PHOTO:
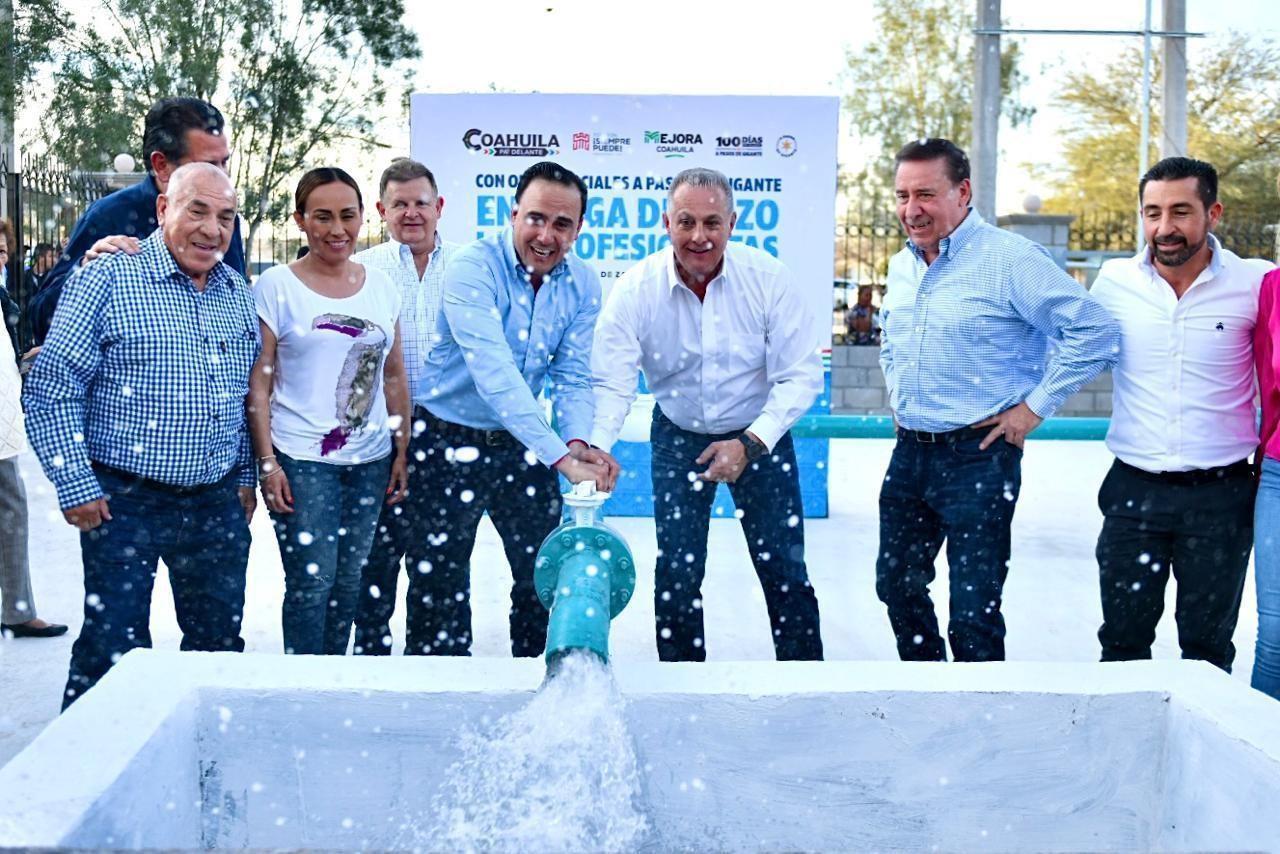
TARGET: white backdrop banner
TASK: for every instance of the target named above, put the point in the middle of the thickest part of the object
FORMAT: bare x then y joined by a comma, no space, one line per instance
779,152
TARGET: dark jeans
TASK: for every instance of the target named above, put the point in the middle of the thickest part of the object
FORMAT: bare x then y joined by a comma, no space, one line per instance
1199,525
767,495
394,531
201,536
948,489
461,473
323,546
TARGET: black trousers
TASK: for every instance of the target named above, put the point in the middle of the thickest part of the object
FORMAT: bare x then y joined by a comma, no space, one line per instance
1197,525
458,474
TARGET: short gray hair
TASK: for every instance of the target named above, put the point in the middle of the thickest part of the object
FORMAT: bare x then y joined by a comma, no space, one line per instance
702,177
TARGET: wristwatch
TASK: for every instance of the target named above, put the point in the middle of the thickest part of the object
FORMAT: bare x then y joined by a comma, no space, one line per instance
755,448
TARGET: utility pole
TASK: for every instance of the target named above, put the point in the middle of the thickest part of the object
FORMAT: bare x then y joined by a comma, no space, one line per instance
985,150
1173,97
1172,8
8,102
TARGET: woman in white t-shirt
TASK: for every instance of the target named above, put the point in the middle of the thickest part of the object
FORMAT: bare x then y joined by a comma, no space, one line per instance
328,400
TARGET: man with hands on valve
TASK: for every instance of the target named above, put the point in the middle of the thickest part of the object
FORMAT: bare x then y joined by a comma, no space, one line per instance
518,313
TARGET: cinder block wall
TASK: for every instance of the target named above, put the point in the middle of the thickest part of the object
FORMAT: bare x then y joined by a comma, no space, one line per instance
857,387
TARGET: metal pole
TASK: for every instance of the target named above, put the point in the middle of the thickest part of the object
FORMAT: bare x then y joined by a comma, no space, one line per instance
8,113
1144,139
1173,135
986,108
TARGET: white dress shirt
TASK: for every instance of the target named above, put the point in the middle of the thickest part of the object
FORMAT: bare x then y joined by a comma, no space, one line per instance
1184,384
745,357
420,308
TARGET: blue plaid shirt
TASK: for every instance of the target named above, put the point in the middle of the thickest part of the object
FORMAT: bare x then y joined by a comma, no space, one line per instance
143,373
967,336
499,345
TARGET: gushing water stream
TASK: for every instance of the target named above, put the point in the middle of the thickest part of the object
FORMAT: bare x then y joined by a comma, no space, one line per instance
559,774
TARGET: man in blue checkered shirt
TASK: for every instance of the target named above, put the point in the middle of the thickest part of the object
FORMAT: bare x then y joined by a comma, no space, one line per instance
135,408
966,321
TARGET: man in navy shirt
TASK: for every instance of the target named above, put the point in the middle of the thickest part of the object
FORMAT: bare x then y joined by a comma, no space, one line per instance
177,131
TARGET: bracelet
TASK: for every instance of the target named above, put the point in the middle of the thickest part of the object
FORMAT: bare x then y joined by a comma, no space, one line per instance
267,457
263,478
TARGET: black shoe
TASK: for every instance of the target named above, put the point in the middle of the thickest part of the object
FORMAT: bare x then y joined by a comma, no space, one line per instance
22,630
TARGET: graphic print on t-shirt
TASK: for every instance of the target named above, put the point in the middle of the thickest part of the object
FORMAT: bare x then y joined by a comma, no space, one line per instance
358,381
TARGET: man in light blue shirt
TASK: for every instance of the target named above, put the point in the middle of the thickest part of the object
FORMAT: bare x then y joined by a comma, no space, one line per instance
519,313
966,320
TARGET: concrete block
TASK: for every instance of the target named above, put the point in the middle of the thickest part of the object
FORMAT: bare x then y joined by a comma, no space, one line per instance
839,357
864,357
862,398
849,378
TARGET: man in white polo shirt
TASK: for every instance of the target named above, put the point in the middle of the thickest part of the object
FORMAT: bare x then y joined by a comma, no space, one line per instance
410,203
1179,497
727,348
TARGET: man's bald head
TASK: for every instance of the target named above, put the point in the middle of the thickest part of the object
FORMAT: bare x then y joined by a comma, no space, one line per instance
197,214
186,178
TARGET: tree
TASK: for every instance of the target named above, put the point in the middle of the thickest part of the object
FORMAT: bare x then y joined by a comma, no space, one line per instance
291,77
1233,108
915,77
28,34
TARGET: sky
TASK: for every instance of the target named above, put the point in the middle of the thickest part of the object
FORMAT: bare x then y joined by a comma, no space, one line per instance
751,47
769,48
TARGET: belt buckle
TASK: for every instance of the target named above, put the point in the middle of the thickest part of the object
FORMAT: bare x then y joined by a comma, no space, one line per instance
927,438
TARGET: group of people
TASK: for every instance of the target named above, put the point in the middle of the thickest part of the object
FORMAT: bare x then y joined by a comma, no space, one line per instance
384,401
1184,325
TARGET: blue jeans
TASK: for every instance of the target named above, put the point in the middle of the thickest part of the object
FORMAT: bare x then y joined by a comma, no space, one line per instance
323,546
1266,568
767,495
201,535
952,490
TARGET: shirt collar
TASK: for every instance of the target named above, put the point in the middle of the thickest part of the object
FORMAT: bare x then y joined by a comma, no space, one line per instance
513,260
1211,272
157,255
404,253
953,242
673,275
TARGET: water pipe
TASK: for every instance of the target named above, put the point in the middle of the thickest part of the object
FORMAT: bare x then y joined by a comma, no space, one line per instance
584,575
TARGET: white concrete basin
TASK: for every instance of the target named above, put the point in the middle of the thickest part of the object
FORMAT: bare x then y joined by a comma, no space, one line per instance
192,750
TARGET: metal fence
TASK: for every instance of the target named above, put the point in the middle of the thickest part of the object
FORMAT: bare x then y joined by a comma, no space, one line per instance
279,242
1246,236
868,234
44,200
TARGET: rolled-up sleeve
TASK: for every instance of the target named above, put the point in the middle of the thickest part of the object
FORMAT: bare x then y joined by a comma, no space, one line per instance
615,365
793,363
1087,336
56,390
